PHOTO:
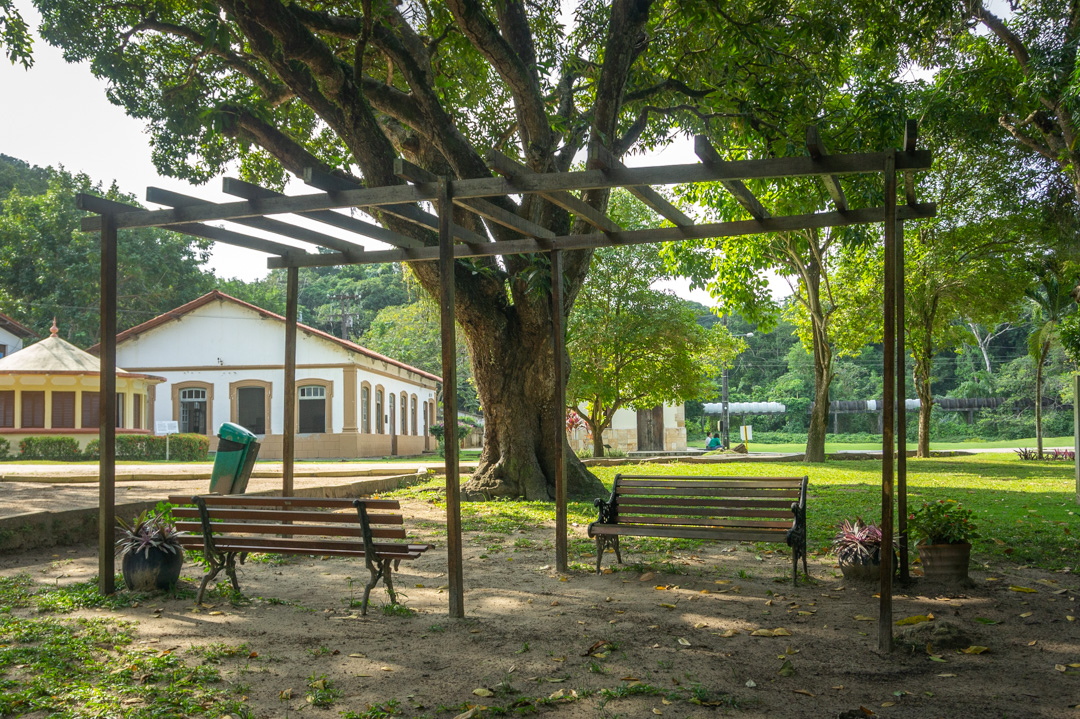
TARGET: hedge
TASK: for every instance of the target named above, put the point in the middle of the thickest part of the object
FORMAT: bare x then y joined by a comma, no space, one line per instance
146,447
62,449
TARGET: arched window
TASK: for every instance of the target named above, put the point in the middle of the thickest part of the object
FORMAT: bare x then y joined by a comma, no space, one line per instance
312,410
404,414
379,410
193,407
365,409
412,413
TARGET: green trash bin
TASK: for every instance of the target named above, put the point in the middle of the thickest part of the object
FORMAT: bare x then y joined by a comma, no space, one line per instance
235,458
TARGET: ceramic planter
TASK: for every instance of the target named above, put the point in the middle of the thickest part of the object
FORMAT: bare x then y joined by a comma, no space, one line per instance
865,568
945,561
154,569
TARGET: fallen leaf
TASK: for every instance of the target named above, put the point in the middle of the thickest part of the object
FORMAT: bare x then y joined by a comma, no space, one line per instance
837,687
481,692
761,633
1025,615
946,675
630,679
1033,642
917,619
937,658
1070,617
1028,590
750,683
728,634
253,655
216,614
975,649
802,691
864,618
646,577
668,606
984,620
357,655
787,669
558,659
866,711
781,632
660,587
386,669
684,642
656,711
1060,667
285,695
555,603
471,713
700,625
888,704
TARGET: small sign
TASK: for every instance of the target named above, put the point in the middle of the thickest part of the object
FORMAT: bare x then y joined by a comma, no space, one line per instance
166,426
746,432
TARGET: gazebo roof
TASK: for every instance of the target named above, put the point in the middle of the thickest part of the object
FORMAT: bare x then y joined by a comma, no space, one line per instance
53,355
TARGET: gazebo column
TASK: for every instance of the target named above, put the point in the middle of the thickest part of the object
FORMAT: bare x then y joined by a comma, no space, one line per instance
288,439
107,410
558,344
444,201
885,638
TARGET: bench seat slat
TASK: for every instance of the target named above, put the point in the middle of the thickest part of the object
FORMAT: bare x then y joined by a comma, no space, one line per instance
707,522
247,500
748,534
705,478
312,546
784,504
626,508
710,483
349,517
706,492
308,529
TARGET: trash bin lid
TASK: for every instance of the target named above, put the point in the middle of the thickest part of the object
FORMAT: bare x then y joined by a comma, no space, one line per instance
235,433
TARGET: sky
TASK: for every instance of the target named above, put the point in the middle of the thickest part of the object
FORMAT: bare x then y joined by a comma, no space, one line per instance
57,114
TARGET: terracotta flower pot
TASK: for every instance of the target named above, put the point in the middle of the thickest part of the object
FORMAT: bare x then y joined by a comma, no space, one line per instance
155,569
945,561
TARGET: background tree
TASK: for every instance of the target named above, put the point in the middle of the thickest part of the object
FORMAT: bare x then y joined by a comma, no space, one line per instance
1051,299
347,88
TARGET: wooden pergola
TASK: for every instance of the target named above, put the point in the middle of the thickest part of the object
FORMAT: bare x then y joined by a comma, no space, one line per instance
256,204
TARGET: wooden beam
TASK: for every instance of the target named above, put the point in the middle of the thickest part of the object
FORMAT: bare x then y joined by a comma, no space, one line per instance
816,148
901,407
454,557
107,412
247,190
786,167
645,193
632,237
408,212
888,395
288,443
911,139
175,199
515,171
484,208
708,154
93,203
558,348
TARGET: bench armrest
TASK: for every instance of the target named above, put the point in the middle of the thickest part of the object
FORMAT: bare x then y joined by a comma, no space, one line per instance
606,508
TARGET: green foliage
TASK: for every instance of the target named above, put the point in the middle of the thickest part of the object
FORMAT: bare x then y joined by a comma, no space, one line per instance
147,447
57,448
943,522
321,691
15,36
5,448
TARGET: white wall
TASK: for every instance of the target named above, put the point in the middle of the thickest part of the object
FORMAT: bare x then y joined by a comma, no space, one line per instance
14,343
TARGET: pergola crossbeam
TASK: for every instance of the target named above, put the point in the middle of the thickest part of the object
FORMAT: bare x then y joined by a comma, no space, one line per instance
816,148
249,191
738,189
645,193
410,213
175,199
93,203
484,208
515,171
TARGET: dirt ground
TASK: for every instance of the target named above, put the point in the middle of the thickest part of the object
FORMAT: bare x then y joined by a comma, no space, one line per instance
677,641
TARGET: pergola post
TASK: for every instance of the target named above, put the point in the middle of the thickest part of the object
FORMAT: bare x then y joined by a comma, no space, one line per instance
558,345
885,639
107,410
1076,432
454,559
288,439
901,408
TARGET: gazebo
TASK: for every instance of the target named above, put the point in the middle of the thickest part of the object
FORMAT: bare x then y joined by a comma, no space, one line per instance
256,204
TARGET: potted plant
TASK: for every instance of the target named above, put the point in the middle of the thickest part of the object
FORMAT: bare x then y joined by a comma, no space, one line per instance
944,530
857,546
150,551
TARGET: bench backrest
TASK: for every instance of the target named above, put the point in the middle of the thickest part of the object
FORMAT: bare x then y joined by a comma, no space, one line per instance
290,524
762,502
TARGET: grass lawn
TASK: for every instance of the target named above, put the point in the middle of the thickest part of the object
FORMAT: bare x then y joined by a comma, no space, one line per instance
1026,511
831,447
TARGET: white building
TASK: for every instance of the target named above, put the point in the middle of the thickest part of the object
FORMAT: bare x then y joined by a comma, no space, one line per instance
13,335
668,422
223,360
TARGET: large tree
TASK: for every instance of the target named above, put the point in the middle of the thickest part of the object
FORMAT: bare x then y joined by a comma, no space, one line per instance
347,87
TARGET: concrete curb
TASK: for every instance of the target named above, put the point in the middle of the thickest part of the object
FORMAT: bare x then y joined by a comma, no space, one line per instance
32,530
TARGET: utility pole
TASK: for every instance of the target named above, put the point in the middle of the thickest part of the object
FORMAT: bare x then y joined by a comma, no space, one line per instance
342,298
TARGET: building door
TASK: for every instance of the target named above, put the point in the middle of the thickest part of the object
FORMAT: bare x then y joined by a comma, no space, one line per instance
192,411
393,426
650,429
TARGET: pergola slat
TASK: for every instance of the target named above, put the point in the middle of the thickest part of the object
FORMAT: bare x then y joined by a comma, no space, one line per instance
911,139
491,186
515,170
93,203
633,237
404,211
484,208
249,191
708,154
816,148
645,193
267,224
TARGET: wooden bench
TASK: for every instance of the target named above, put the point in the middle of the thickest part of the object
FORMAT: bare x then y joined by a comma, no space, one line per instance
740,508
225,527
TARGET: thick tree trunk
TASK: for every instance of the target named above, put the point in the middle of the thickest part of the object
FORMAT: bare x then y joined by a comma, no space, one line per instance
598,443
819,415
926,406
1038,398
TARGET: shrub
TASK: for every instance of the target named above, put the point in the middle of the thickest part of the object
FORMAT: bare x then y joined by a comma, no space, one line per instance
5,448
186,447
148,447
61,449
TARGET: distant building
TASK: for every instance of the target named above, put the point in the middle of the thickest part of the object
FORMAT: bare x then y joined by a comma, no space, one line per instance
52,388
629,428
223,360
13,335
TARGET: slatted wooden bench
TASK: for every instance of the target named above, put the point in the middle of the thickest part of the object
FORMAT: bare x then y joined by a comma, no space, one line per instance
738,508
227,527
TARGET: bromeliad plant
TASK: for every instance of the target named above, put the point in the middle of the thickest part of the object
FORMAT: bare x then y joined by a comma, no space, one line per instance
151,529
857,542
943,522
